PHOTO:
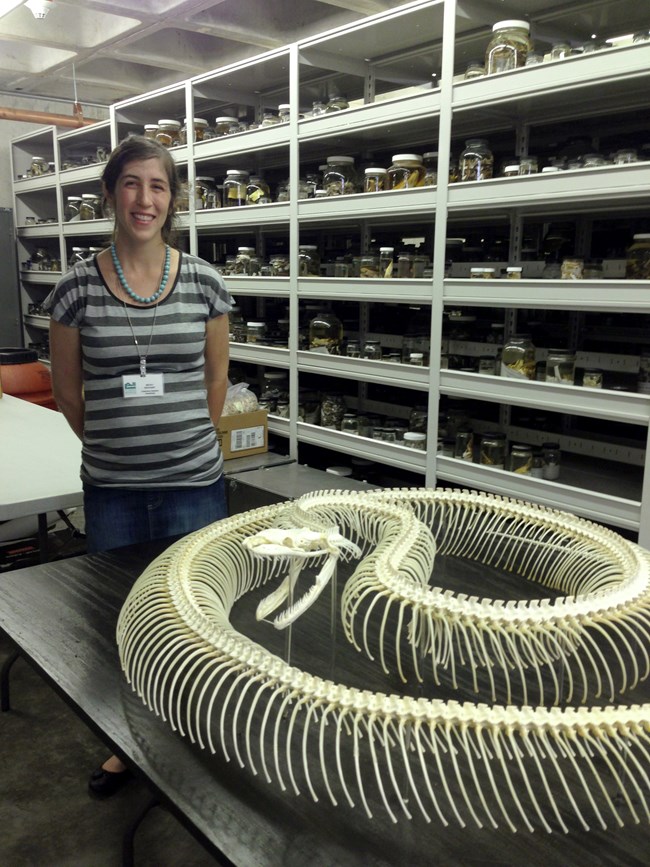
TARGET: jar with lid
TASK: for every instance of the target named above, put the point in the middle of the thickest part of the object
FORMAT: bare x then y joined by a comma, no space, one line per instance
626,155
593,161
269,118
430,161
481,273
528,165
592,378
284,112
533,59
196,130
243,259
279,265
518,357
386,262
353,348
205,193
514,272
406,172
511,170
317,108
509,46
487,365
326,333
282,408
169,132
336,103
404,266
415,440
225,125
237,326
552,458
255,332
78,254
464,446
312,183
418,419
537,469
372,349
474,70
350,423
257,191
637,265
38,166
643,379
276,382
340,177
332,410
369,266
476,162
90,207
572,269
375,180
521,459
234,188
308,260
493,450
416,359
150,130
71,210
561,366
560,51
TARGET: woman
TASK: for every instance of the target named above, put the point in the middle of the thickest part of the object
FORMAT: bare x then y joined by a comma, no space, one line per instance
139,351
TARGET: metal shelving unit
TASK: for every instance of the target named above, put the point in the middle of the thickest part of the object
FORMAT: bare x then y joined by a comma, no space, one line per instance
400,71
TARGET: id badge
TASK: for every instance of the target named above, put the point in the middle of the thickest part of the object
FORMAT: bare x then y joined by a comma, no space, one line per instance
150,385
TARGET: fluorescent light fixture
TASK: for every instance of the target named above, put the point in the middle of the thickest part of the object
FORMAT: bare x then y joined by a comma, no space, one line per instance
39,8
7,5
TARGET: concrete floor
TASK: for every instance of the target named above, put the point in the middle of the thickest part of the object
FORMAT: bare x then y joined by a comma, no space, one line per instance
47,817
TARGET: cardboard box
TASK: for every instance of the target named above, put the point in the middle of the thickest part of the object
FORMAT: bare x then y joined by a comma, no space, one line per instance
245,433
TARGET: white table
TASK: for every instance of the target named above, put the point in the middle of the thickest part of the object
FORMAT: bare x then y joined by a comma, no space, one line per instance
40,459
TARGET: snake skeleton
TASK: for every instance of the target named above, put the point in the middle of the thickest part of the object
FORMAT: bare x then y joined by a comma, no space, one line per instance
525,765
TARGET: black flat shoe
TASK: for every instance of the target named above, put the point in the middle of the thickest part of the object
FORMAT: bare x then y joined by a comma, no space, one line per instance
103,784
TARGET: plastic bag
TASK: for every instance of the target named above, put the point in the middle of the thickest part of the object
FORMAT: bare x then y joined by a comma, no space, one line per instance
239,399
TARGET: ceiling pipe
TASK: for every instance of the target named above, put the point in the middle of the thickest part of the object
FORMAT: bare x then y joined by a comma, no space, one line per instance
26,116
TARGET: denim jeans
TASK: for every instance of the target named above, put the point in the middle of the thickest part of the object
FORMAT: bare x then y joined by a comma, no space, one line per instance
117,516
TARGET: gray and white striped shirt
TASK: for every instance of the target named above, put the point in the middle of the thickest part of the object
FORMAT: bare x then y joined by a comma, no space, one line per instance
145,442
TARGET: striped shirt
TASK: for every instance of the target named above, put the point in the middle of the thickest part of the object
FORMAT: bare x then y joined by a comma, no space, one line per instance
145,442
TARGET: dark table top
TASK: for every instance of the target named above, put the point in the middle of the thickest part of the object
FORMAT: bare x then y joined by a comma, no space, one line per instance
62,615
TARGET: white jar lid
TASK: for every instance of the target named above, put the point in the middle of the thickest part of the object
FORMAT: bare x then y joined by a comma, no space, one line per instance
246,249
307,247
170,122
375,171
151,126
284,106
199,121
204,178
414,437
429,154
512,168
256,324
641,237
514,268
549,170
387,249
335,160
511,22
478,271
89,196
237,172
399,157
416,355
277,374
74,199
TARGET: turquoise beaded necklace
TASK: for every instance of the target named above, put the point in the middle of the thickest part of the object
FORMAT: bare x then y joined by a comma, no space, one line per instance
163,282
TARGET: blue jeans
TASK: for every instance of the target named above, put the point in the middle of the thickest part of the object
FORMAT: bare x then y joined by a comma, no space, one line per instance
117,516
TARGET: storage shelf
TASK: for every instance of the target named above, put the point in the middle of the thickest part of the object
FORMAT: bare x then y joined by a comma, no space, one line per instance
40,182
364,370
225,219
81,175
571,399
270,287
390,454
385,206
37,321
251,353
87,227
48,278
43,230
358,289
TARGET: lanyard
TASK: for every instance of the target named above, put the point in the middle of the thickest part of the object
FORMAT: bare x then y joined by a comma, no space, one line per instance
142,356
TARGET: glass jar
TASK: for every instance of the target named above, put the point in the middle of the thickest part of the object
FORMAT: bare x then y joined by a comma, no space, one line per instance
552,458
234,188
78,254
225,125
560,51
372,350
336,103
284,112
71,210
317,108
418,420
593,161
487,365
592,378
415,440
626,155
572,269
257,191
514,272
374,180
326,333
340,177
493,450
90,207
38,166
197,131
416,359
509,46
308,260
245,256
386,255
511,170
269,118
643,379
476,162
150,130
521,459
350,423
205,194
332,410
169,132
279,265
420,265
255,332
237,326
353,348
528,165
533,59
637,266
464,445
430,159
518,357
561,366
482,273
405,266
406,172
369,266
474,70
276,383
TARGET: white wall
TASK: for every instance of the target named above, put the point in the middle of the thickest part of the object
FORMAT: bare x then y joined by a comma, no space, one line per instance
10,129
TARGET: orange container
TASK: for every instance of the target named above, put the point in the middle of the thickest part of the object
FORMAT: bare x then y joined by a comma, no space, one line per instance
24,376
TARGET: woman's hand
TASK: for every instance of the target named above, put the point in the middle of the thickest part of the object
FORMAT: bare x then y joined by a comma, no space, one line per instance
67,381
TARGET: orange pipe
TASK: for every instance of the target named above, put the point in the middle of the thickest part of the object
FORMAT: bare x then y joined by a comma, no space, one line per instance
22,114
